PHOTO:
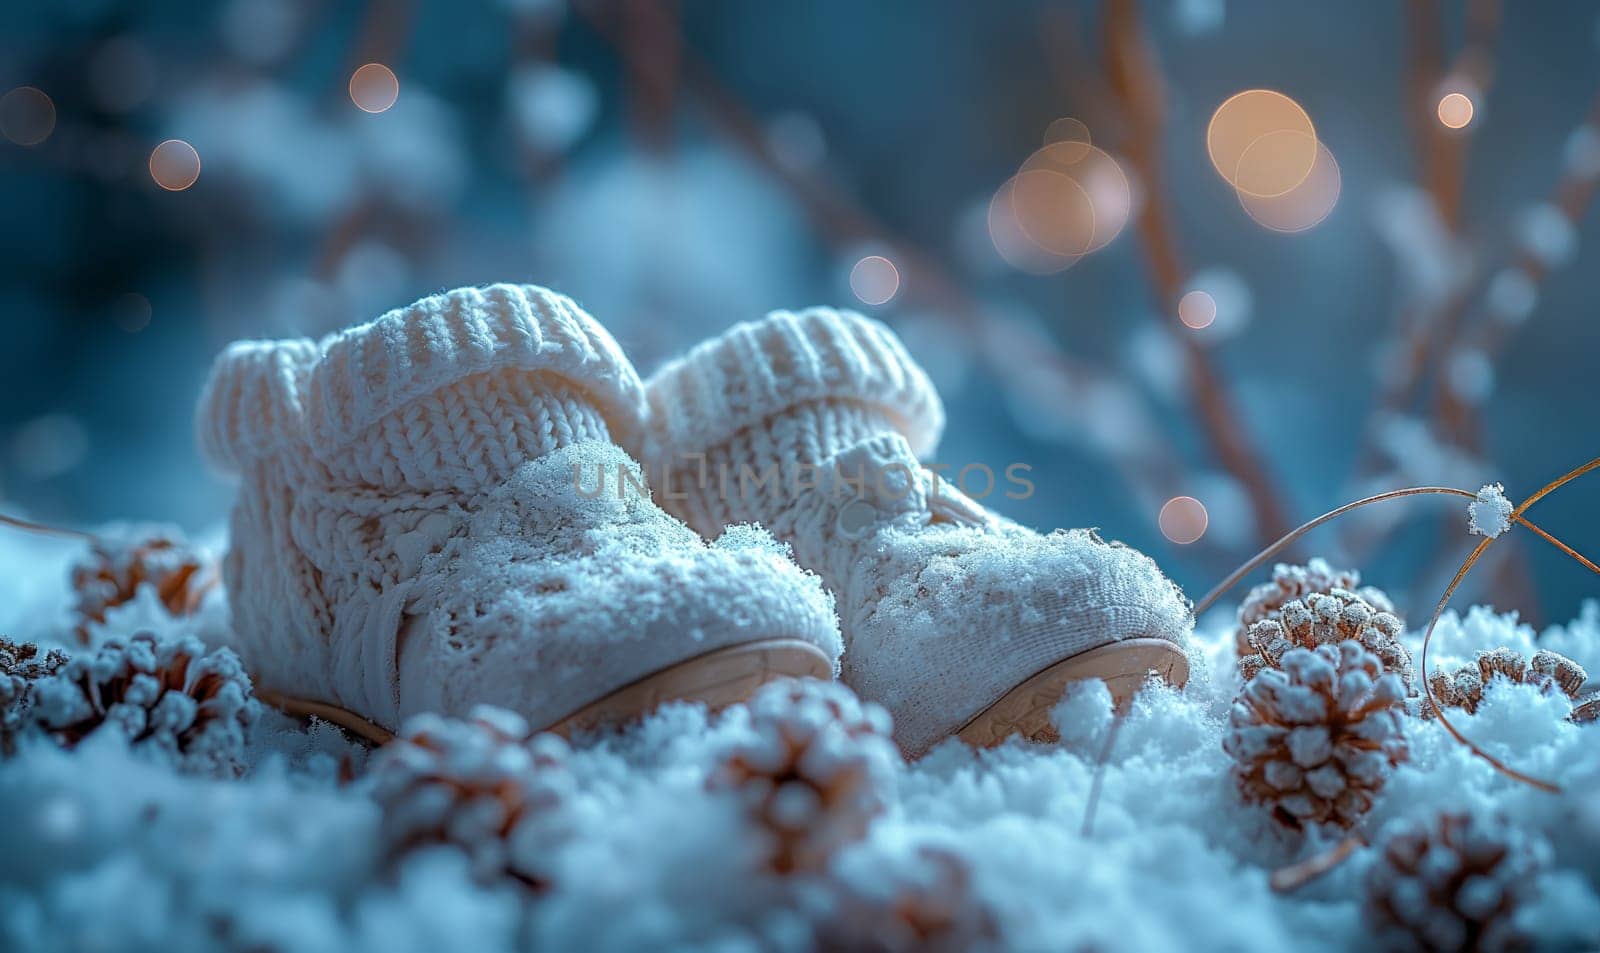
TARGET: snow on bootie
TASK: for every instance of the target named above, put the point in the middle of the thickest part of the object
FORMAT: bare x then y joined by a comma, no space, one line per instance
955,620
433,515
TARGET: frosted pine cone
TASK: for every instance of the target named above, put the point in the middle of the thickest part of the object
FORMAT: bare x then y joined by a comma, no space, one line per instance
1290,582
117,565
482,784
173,695
21,665
1317,738
1328,618
1453,885
1550,671
1586,710
816,773
937,911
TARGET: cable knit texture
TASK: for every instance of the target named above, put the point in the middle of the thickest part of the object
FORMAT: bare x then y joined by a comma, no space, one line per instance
944,605
433,515
760,369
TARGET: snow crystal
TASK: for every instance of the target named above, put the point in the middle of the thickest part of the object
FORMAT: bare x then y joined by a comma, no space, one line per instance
1490,514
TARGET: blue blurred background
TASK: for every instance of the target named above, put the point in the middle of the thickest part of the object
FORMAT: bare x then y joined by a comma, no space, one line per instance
678,167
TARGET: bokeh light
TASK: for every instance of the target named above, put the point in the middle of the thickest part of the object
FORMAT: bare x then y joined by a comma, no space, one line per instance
27,116
1053,211
1262,142
374,88
1102,217
874,279
1231,303
1455,110
1013,245
1183,520
174,165
1197,310
1304,206
1068,130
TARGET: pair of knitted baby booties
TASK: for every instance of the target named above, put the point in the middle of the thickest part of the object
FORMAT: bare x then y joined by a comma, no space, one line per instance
445,507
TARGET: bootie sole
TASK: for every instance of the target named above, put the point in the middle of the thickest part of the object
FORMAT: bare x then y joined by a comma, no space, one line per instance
1123,666
716,679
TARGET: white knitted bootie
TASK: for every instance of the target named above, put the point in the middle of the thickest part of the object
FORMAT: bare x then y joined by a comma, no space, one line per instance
433,515
954,619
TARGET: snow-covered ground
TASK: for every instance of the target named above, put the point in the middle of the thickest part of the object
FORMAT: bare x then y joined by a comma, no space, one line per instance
107,848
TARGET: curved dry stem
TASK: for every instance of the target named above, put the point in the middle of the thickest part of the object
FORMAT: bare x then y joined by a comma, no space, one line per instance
1438,710
47,530
1582,559
1291,874
1118,714
1255,561
1444,600
1295,876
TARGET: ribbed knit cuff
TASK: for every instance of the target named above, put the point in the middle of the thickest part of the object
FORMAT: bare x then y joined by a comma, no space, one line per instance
760,369
369,371
251,403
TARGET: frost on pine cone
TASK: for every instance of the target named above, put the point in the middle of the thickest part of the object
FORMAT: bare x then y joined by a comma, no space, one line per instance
125,559
1316,739
21,665
482,784
1328,618
1290,583
172,695
816,773
936,910
1453,885
1550,671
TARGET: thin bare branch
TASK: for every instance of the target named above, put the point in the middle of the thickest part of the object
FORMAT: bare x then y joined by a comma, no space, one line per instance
1136,77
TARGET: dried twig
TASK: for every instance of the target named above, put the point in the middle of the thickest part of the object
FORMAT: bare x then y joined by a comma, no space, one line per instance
1092,802
1277,547
1152,469
1135,76
1444,600
385,29
41,528
1443,151
1295,876
1572,197
1423,328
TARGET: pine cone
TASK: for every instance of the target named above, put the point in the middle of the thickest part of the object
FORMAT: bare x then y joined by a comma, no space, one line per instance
172,694
1550,671
817,772
1291,582
1316,739
937,912
118,564
483,784
1453,885
21,666
1328,618
1586,709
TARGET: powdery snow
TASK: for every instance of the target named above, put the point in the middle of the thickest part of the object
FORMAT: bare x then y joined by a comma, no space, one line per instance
1490,514
104,847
